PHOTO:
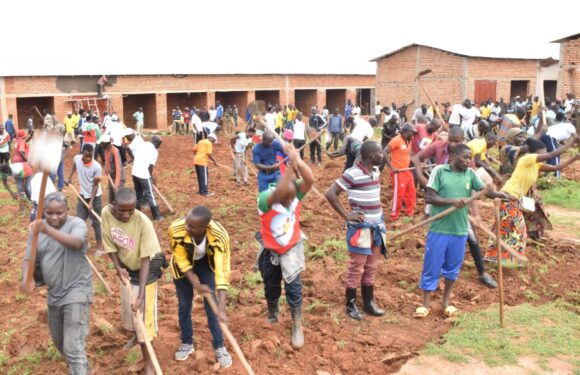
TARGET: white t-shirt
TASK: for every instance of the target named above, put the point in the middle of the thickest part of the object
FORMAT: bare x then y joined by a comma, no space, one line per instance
362,129
418,113
196,121
146,155
454,117
356,111
115,131
241,143
212,114
270,120
201,249
468,116
561,131
5,147
390,116
210,126
135,144
378,109
299,130
35,187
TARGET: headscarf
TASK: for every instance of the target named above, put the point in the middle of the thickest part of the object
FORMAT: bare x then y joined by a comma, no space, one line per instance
512,134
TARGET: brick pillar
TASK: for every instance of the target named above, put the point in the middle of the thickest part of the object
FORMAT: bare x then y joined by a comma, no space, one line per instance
61,107
289,97
350,94
210,99
10,105
161,111
320,99
117,106
251,97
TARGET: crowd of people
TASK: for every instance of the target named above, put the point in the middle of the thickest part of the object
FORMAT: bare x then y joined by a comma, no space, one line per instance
443,154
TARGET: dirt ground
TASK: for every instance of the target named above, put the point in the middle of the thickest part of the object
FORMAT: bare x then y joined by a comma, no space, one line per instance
334,343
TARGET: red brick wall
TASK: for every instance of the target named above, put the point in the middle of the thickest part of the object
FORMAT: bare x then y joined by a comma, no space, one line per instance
569,76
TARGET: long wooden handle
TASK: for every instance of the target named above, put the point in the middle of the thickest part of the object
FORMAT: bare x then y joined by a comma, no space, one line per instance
499,259
163,199
101,278
85,203
488,232
140,325
435,109
451,209
28,282
411,168
306,144
211,301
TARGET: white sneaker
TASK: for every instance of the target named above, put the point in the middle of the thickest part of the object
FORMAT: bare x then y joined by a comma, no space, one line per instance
183,352
223,357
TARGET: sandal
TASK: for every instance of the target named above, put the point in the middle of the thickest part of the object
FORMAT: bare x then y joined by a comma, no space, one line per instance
421,312
452,311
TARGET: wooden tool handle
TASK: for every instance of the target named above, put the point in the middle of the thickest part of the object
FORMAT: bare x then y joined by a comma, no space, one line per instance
84,202
163,199
499,259
101,278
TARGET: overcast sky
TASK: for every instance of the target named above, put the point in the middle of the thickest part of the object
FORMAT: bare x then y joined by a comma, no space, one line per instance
250,36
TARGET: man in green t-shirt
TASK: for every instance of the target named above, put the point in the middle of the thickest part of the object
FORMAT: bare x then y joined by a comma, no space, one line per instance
131,242
449,185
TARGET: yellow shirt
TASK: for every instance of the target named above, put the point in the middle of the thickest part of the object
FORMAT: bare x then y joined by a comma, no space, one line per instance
279,120
535,108
70,123
202,150
478,146
524,177
485,111
131,241
291,114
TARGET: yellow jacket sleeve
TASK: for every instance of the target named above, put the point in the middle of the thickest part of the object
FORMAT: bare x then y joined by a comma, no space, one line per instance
221,255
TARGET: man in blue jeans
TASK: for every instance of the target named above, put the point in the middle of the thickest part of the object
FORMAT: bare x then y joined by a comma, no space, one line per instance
200,246
264,158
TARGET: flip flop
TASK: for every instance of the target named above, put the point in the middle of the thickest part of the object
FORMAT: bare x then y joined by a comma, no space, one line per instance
421,312
452,311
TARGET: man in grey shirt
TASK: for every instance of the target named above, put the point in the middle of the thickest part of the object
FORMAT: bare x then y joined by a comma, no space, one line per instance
62,265
90,173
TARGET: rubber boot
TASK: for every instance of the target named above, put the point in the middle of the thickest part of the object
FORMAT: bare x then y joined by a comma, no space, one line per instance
155,213
351,308
369,305
297,334
273,312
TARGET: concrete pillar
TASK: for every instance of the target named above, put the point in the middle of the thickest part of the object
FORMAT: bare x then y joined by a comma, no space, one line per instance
161,111
116,104
320,99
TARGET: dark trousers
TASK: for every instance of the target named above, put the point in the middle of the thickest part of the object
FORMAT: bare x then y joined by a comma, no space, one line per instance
201,173
144,191
83,213
335,137
123,153
184,293
315,148
272,276
475,251
299,143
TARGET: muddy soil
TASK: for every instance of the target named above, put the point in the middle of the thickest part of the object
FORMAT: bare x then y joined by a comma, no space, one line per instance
334,343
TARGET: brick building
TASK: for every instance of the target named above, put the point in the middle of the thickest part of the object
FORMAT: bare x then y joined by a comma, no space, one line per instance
569,75
455,76
24,96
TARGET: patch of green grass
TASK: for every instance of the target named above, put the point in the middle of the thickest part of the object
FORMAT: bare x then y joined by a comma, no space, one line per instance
6,337
110,266
315,304
99,289
337,250
233,292
18,369
342,344
133,356
247,337
538,331
21,297
51,353
252,279
34,358
560,192
531,295
315,252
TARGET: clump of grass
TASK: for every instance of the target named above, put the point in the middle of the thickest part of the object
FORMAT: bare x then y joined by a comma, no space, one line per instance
538,331
560,192
252,279
51,353
133,356
315,304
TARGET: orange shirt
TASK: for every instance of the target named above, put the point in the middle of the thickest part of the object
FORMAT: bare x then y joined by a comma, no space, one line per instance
202,150
400,152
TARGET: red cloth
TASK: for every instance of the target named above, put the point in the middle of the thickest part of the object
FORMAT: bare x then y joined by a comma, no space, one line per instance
21,145
403,190
421,139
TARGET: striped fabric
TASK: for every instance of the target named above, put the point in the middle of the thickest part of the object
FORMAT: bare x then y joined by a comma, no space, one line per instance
364,191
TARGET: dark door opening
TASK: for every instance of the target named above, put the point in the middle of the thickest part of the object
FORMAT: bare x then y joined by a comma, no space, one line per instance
305,100
27,107
519,88
335,98
363,99
130,105
271,97
550,89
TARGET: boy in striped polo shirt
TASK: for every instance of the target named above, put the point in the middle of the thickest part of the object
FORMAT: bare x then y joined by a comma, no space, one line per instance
366,232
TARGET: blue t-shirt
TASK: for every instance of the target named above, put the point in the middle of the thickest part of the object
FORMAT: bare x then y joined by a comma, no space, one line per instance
266,155
219,111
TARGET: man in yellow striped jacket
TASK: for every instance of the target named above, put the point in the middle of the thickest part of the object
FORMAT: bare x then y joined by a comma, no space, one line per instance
200,246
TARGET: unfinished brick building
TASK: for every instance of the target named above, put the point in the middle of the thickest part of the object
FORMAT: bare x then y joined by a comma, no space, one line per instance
25,96
569,75
455,76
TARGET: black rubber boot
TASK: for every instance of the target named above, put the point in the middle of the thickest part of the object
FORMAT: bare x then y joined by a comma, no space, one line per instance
297,334
155,213
369,305
273,312
351,308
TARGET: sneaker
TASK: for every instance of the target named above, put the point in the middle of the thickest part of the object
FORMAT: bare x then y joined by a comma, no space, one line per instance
223,357
183,352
